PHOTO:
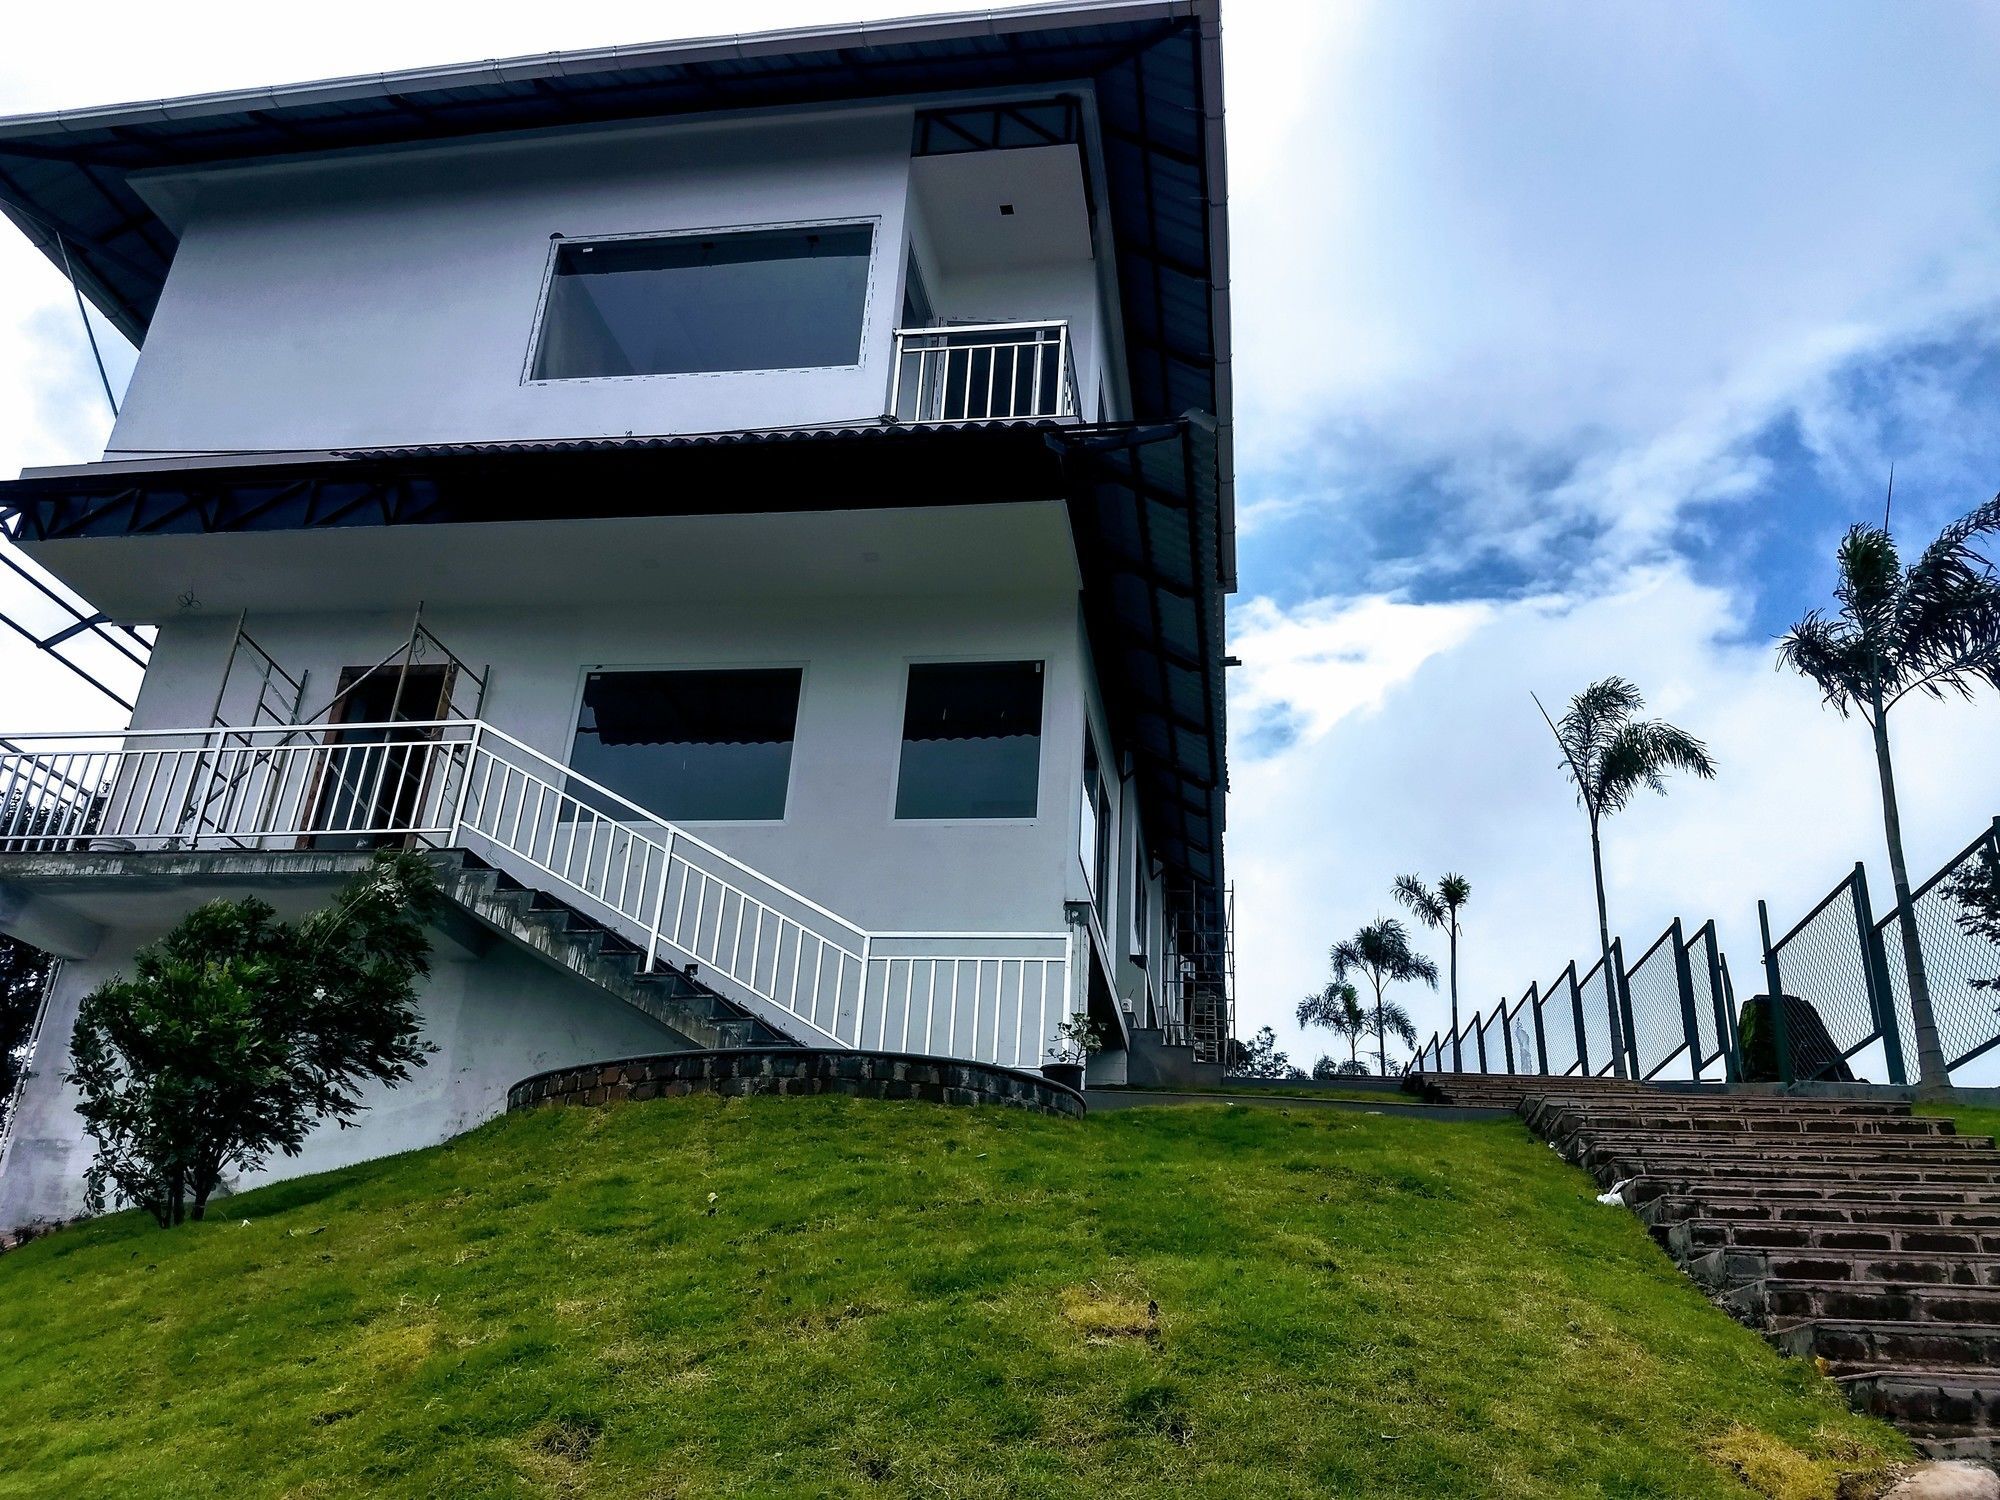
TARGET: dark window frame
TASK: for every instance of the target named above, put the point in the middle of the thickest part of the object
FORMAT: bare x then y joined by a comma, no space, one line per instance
602,669
911,666
558,243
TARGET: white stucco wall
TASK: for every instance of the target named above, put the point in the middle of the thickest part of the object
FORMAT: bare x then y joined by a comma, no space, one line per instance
390,299
839,842
495,1020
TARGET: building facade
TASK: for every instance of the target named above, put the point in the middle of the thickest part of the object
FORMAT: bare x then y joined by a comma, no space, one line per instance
760,510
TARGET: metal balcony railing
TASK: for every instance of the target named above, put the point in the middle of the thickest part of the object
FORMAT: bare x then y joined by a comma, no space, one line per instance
992,996
983,372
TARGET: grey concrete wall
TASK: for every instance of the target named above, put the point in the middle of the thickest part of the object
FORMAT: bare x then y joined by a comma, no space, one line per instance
495,1019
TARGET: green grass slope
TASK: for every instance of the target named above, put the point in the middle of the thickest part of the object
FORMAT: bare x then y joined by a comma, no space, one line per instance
822,1296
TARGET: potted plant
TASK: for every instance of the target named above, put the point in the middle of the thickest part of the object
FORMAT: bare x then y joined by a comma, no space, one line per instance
1075,1039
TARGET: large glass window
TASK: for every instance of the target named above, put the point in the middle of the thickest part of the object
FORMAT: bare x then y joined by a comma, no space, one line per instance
1094,830
691,746
972,740
766,299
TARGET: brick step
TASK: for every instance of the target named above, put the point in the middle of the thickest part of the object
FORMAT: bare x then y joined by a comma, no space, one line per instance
1775,1131
1736,1265
1726,1107
1717,1178
1696,1236
1956,1150
1616,1159
1771,1207
1949,1413
1773,1303
1554,1117
1856,1345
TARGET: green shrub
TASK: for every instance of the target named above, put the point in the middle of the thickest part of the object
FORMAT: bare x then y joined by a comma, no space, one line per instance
240,1032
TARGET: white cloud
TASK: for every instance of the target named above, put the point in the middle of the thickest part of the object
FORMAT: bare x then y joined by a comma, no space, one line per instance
1448,766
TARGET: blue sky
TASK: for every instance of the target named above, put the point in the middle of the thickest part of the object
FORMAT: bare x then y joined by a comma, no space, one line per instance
1568,338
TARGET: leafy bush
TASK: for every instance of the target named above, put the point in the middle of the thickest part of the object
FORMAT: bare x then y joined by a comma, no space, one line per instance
240,1032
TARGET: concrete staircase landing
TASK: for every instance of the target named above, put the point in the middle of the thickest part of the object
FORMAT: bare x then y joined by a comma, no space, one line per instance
1848,1231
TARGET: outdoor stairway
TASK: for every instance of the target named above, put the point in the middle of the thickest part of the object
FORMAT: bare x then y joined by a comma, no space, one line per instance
589,948
1848,1231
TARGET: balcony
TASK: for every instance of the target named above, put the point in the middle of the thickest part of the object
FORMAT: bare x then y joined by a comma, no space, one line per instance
984,372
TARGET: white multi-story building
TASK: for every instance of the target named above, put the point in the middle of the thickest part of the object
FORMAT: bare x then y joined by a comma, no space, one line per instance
762,507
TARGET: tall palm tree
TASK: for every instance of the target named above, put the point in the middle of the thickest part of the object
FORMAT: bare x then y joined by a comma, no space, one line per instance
1438,909
1608,756
1931,628
1338,1008
1381,953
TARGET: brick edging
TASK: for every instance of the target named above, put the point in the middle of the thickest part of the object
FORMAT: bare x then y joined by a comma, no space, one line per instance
796,1070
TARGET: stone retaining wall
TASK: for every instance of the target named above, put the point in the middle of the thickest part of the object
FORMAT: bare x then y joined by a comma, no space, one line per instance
796,1070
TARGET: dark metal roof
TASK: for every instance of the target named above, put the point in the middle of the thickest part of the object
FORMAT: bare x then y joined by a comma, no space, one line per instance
1155,64
1142,499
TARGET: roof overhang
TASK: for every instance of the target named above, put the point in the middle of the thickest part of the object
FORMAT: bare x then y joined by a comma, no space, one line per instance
1142,500
67,179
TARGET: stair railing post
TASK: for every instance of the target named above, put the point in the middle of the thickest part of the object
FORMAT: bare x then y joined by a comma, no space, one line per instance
660,905
1684,980
1875,965
1479,1041
1774,983
1576,1010
1541,1039
472,747
1507,1035
1621,994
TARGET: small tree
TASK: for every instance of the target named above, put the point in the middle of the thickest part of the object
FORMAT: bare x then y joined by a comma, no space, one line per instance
1337,1007
1260,1058
1381,953
1609,756
239,1032
1931,628
1977,891
1438,910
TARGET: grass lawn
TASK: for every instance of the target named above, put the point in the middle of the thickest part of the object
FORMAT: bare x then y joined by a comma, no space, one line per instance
1973,1119
822,1296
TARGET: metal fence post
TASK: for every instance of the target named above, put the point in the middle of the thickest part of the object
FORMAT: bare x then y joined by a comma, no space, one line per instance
1875,964
1541,1038
1576,1010
1479,1042
1724,998
1507,1035
1621,995
1684,978
1774,984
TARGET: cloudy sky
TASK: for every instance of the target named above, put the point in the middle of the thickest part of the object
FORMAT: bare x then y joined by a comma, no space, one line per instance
1569,338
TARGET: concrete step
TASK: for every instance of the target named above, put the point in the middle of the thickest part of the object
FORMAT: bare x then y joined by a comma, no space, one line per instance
1856,1209
1958,1150
1951,1413
1613,1160
1559,1117
1856,1345
1773,1303
1699,1109
1696,1236
1736,1265
1830,1181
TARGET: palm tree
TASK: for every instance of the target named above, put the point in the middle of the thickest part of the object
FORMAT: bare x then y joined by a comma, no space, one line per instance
1438,909
1381,952
1338,1008
1608,756
1931,628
